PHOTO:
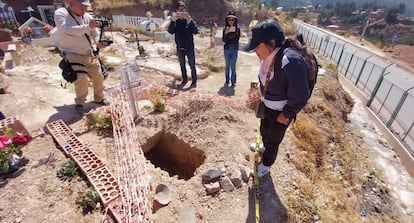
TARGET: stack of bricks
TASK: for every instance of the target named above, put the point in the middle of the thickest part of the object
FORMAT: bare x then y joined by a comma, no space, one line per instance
87,160
128,196
14,124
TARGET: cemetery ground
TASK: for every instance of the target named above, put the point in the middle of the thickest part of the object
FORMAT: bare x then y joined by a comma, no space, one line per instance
333,165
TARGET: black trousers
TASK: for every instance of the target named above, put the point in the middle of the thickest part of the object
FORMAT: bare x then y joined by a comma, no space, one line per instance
272,135
182,53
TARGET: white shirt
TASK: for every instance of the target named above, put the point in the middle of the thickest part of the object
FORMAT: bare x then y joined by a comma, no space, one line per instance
264,67
69,36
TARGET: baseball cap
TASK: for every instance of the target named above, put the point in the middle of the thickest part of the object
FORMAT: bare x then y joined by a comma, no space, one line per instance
263,32
180,3
231,14
84,2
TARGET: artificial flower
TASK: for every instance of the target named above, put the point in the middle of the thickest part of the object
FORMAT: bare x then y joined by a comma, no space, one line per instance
22,139
4,142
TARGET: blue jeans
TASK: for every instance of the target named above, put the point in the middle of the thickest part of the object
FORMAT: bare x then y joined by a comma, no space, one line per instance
181,53
230,56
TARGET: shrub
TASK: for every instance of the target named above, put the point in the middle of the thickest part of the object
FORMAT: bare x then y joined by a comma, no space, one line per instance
99,119
89,201
68,170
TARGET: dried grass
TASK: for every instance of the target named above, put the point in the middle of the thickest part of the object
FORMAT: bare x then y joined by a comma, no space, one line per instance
309,141
106,4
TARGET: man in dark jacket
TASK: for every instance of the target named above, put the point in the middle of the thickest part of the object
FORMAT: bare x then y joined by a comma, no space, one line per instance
184,28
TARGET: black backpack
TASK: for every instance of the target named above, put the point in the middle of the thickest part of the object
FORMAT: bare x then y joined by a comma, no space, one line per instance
309,58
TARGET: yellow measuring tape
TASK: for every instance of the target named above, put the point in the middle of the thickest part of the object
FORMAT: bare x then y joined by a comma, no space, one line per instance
256,175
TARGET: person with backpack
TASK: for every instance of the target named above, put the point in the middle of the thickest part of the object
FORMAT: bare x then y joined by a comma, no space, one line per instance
75,33
231,37
284,86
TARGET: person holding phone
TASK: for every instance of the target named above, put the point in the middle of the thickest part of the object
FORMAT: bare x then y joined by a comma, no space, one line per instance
184,28
231,37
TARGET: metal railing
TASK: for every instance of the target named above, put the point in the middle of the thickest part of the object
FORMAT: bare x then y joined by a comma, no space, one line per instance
123,21
388,89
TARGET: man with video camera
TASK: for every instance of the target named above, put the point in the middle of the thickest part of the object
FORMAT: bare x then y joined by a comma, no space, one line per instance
183,26
77,37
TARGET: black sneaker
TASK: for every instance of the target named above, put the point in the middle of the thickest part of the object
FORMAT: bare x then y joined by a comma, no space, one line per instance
182,84
79,108
193,85
103,102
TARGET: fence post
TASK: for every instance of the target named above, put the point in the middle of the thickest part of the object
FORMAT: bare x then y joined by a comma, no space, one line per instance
362,69
320,45
340,57
398,108
326,46
333,50
377,86
349,64
311,38
408,131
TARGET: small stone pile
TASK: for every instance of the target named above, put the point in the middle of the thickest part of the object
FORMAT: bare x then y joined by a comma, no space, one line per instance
215,179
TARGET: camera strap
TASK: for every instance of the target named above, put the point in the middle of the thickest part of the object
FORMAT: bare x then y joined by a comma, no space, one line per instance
95,53
271,67
86,35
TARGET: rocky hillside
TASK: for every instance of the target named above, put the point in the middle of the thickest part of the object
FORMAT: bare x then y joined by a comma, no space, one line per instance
201,11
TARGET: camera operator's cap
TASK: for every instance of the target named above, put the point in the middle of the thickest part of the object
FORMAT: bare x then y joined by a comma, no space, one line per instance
84,2
263,32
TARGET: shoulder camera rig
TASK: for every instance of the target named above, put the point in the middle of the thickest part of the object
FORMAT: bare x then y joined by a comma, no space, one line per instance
103,22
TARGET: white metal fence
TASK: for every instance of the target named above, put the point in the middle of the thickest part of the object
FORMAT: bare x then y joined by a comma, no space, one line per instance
122,21
387,87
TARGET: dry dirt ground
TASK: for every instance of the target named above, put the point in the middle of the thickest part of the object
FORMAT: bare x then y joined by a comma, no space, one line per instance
326,171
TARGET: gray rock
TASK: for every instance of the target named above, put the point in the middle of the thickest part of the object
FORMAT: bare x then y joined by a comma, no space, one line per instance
235,177
211,175
245,172
212,187
226,184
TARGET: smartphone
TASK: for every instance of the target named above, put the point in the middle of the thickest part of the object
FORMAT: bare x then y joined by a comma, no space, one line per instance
183,15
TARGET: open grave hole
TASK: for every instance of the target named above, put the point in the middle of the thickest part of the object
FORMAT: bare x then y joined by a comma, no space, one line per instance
173,155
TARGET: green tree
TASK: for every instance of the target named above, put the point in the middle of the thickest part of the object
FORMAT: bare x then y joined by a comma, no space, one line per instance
345,9
391,15
401,8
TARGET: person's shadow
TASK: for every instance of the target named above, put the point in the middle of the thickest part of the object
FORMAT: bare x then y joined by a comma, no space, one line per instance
271,208
68,114
226,91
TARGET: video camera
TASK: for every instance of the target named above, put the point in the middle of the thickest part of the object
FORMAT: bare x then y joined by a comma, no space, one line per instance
106,42
103,22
